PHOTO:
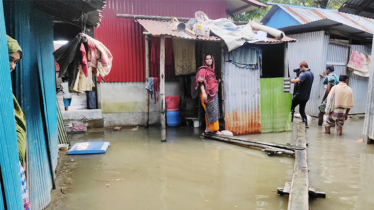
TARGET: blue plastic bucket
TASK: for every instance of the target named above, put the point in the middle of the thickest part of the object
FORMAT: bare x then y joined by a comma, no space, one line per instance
173,118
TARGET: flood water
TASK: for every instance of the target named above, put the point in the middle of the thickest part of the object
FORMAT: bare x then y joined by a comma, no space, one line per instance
187,172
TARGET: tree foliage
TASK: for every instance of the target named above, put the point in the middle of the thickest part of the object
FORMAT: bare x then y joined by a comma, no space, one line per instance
257,15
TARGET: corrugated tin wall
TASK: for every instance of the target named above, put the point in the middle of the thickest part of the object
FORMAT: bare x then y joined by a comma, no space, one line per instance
35,90
311,47
242,100
369,112
44,49
359,84
124,37
275,106
10,183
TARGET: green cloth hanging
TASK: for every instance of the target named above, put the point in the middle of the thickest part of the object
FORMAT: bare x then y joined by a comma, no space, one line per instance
21,130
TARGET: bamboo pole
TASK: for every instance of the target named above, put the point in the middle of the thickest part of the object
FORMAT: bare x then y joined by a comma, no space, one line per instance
223,77
292,148
299,193
146,79
181,19
264,147
162,89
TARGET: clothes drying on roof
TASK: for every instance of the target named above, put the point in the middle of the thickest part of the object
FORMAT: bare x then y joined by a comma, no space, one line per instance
184,56
82,58
234,36
359,63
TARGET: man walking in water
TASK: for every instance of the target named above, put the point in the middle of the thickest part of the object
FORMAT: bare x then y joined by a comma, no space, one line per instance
302,95
339,103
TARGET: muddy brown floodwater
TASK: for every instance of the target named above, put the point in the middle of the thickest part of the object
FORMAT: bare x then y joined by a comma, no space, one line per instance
187,172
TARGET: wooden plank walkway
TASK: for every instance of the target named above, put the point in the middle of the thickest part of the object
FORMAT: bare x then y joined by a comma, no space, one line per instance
299,193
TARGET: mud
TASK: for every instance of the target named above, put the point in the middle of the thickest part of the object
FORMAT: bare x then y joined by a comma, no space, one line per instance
187,172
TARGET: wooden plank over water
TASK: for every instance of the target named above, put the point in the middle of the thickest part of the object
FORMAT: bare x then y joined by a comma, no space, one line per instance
299,193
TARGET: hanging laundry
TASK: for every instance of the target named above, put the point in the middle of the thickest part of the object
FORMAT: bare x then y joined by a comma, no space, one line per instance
359,63
67,57
184,56
150,86
84,60
81,59
154,65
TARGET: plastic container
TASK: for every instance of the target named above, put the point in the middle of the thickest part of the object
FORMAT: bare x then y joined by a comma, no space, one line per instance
173,118
172,103
196,123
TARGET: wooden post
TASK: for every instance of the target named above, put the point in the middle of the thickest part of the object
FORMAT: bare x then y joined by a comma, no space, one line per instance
223,77
285,60
162,89
146,79
299,194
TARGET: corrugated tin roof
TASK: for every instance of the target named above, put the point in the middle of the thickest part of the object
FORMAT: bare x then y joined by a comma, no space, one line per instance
235,7
359,7
158,28
315,18
71,11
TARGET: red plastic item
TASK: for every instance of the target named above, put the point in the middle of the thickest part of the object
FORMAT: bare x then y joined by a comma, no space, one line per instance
172,103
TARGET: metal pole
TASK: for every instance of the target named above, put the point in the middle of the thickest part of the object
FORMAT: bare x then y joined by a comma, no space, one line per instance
162,89
146,79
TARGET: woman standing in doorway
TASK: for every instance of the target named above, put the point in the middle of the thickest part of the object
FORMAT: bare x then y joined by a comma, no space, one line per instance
15,55
208,85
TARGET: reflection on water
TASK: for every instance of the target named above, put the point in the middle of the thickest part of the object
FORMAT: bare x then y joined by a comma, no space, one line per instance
188,172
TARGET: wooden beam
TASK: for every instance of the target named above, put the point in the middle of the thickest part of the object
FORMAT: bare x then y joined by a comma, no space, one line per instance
286,59
264,146
181,19
223,76
241,8
299,193
146,39
340,43
162,89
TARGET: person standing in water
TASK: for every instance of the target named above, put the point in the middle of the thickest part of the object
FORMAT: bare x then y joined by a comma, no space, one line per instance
302,95
208,85
329,81
15,55
339,103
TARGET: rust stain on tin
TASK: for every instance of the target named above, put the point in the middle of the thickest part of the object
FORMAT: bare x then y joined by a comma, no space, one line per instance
319,14
354,22
297,14
243,123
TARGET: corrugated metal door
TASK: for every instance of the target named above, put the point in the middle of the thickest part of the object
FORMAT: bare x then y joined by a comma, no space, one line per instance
242,100
311,47
10,183
275,106
124,37
359,84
